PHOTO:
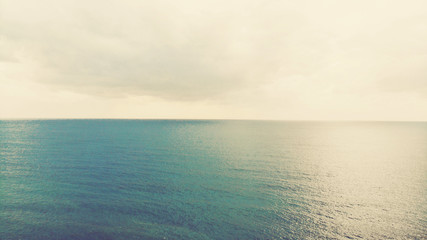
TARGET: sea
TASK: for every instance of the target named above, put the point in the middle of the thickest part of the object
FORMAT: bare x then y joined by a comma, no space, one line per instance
212,179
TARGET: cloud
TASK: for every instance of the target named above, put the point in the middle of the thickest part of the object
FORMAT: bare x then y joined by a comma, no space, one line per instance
173,50
305,56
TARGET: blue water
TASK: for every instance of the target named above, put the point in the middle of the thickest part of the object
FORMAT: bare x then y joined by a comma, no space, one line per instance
134,179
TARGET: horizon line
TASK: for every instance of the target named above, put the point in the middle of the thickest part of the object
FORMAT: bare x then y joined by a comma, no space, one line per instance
213,119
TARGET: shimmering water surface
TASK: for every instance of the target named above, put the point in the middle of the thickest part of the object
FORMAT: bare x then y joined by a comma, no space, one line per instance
134,179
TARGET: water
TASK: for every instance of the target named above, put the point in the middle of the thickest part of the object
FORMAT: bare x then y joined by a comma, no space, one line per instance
132,179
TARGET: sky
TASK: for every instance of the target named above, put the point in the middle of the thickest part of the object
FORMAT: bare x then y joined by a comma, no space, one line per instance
234,59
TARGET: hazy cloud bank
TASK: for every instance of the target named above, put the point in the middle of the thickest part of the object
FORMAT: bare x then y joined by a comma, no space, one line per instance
169,49
260,53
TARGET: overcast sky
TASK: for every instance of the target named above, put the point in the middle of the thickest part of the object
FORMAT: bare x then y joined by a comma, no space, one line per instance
242,59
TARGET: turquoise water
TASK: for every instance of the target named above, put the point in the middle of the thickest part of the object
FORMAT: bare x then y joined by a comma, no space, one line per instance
153,179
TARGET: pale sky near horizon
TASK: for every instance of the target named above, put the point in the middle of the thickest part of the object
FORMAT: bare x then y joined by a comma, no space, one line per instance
242,59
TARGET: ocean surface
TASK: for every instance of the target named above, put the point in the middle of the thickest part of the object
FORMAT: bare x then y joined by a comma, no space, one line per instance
181,179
